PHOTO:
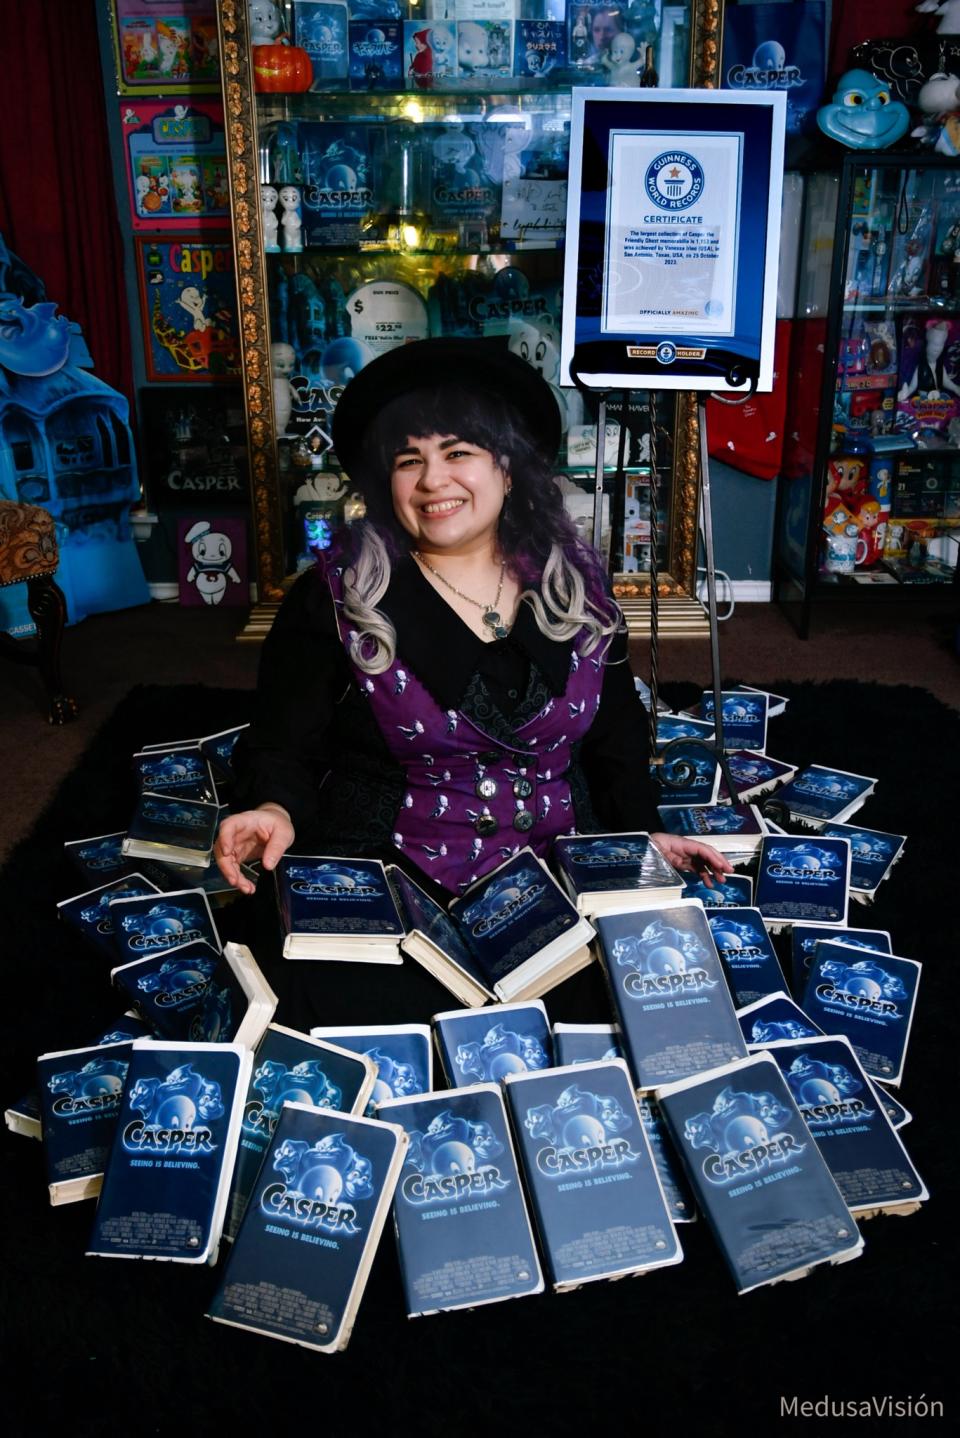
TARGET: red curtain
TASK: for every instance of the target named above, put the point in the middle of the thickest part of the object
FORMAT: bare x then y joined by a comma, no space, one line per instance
57,203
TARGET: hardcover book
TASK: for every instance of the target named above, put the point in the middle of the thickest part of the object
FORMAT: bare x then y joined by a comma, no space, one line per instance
759,1178
673,1007
90,913
195,994
818,794
401,1054
601,872
288,1067
146,924
805,879
164,1194
733,891
585,1044
805,937
754,775
80,1093
872,857
483,1045
868,997
463,1232
524,930
337,909
587,1166
733,829
301,1260
852,1130
178,773
773,1020
179,830
747,955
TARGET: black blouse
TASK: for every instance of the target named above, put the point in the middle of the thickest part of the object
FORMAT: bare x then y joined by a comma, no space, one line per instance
314,745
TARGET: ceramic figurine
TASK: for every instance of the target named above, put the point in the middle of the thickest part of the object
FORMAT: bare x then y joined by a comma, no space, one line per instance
269,199
290,222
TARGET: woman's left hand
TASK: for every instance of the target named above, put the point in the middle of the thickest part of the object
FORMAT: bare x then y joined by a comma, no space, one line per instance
682,853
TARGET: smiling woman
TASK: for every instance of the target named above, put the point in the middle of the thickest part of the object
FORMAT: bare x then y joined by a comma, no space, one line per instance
454,683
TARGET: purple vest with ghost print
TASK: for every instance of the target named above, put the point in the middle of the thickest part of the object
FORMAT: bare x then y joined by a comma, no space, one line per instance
470,800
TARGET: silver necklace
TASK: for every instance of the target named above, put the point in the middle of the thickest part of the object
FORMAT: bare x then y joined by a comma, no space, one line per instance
491,612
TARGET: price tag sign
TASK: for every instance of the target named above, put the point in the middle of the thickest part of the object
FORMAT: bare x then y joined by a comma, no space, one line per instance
385,314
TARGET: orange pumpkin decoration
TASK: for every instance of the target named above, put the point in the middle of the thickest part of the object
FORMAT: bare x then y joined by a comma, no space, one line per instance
281,70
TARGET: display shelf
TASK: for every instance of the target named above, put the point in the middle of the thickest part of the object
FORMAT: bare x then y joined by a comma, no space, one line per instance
877,521
422,211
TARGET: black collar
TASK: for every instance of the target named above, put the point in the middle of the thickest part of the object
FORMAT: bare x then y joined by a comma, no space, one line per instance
444,653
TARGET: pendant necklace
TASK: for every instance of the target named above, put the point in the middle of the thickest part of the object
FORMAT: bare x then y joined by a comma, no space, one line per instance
491,613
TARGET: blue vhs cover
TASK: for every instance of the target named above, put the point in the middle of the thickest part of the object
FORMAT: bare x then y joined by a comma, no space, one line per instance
674,1009
852,1130
670,1170
707,820
164,1194
90,913
612,863
376,54
463,1233
312,1225
337,189
753,774
681,726
868,997
819,794
190,993
218,749
288,1067
321,27
733,891
688,775
599,1207
804,938
585,1044
322,898
483,1045
772,1203
80,1094
747,955
872,854
423,916
805,879
148,925
744,718
183,825
774,1020
512,914
180,773
100,858
402,1056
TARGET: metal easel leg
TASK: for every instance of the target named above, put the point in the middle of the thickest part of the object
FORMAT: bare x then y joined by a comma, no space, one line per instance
711,573
598,474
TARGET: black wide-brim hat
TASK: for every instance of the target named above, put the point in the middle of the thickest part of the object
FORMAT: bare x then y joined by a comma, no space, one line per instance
479,364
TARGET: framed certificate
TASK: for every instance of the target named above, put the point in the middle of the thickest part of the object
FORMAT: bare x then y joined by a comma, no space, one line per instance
673,237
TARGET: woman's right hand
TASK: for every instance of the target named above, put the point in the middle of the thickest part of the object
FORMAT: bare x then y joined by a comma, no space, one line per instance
265,833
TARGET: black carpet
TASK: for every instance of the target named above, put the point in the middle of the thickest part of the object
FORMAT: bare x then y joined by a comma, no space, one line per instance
95,1346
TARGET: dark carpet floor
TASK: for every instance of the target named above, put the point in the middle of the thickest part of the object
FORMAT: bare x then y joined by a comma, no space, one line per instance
124,1347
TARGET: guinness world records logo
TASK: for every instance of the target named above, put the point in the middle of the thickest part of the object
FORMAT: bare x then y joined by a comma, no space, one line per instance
674,180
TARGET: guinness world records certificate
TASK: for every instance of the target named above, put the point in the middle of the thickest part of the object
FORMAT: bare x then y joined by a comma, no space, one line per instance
672,241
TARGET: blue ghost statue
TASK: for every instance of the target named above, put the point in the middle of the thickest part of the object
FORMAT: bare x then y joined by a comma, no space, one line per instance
863,114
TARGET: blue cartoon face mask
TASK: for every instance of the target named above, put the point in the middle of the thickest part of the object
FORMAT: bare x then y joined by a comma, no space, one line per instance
863,114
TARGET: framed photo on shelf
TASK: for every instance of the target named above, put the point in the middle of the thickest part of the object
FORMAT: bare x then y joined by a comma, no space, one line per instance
188,305
165,47
176,159
673,237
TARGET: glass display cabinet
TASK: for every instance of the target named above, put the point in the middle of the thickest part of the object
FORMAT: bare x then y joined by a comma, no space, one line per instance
879,517
398,170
